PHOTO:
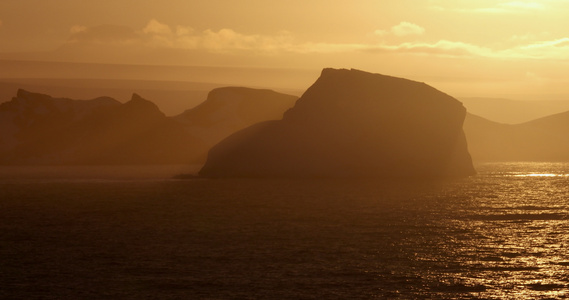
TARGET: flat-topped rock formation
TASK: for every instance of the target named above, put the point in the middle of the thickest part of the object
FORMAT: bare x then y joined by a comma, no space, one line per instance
351,123
229,109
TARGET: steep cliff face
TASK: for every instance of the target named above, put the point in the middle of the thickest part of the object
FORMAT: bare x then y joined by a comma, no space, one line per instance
351,123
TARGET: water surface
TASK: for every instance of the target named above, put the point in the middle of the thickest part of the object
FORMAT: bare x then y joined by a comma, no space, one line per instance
498,235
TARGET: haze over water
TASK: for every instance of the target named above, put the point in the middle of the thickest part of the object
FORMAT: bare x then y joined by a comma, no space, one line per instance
500,234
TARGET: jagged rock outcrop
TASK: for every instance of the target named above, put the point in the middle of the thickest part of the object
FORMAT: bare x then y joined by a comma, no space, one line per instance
230,109
350,123
30,116
40,129
48,130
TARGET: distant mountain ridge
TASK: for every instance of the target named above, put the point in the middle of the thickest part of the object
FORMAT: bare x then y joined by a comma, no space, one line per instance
48,130
172,97
40,129
543,139
509,111
41,104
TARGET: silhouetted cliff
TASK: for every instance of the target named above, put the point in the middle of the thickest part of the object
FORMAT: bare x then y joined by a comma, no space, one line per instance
351,123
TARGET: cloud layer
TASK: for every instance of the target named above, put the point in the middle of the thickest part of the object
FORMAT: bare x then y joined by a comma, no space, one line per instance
402,29
512,7
159,35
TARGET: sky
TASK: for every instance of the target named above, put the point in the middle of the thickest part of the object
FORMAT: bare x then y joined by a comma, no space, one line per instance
464,47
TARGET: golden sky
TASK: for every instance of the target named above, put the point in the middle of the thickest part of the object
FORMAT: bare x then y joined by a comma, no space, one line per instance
464,47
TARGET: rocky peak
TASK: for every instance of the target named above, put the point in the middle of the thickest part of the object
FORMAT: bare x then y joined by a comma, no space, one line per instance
23,94
139,105
25,100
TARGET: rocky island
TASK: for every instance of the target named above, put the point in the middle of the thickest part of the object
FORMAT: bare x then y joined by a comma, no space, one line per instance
351,123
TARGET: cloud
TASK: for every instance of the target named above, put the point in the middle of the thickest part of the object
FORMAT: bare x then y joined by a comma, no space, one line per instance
103,34
324,48
523,5
229,39
531,76
402,29
406,28
77,28
440,48
226,40
157,28
563,42
522,37
183,30
157,34
556,49
512,7
552,49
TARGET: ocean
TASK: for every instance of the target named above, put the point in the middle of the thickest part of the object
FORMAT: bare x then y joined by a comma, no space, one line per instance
135,233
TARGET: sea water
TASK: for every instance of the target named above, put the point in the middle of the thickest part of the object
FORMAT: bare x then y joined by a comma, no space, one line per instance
502,234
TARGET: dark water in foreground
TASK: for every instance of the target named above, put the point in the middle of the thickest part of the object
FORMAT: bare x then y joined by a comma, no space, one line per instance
501,234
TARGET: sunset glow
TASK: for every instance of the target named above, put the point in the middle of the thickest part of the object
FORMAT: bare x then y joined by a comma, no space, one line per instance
467,48
256,149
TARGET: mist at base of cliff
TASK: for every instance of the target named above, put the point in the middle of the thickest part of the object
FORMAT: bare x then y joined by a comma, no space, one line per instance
500,234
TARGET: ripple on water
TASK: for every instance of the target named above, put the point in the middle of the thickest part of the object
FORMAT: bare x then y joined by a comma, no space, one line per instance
496,235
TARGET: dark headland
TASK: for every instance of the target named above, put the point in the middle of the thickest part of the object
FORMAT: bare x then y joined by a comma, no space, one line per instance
351,123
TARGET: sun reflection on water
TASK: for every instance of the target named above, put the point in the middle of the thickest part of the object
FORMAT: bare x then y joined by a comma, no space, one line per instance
540,175
503,234
512,241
